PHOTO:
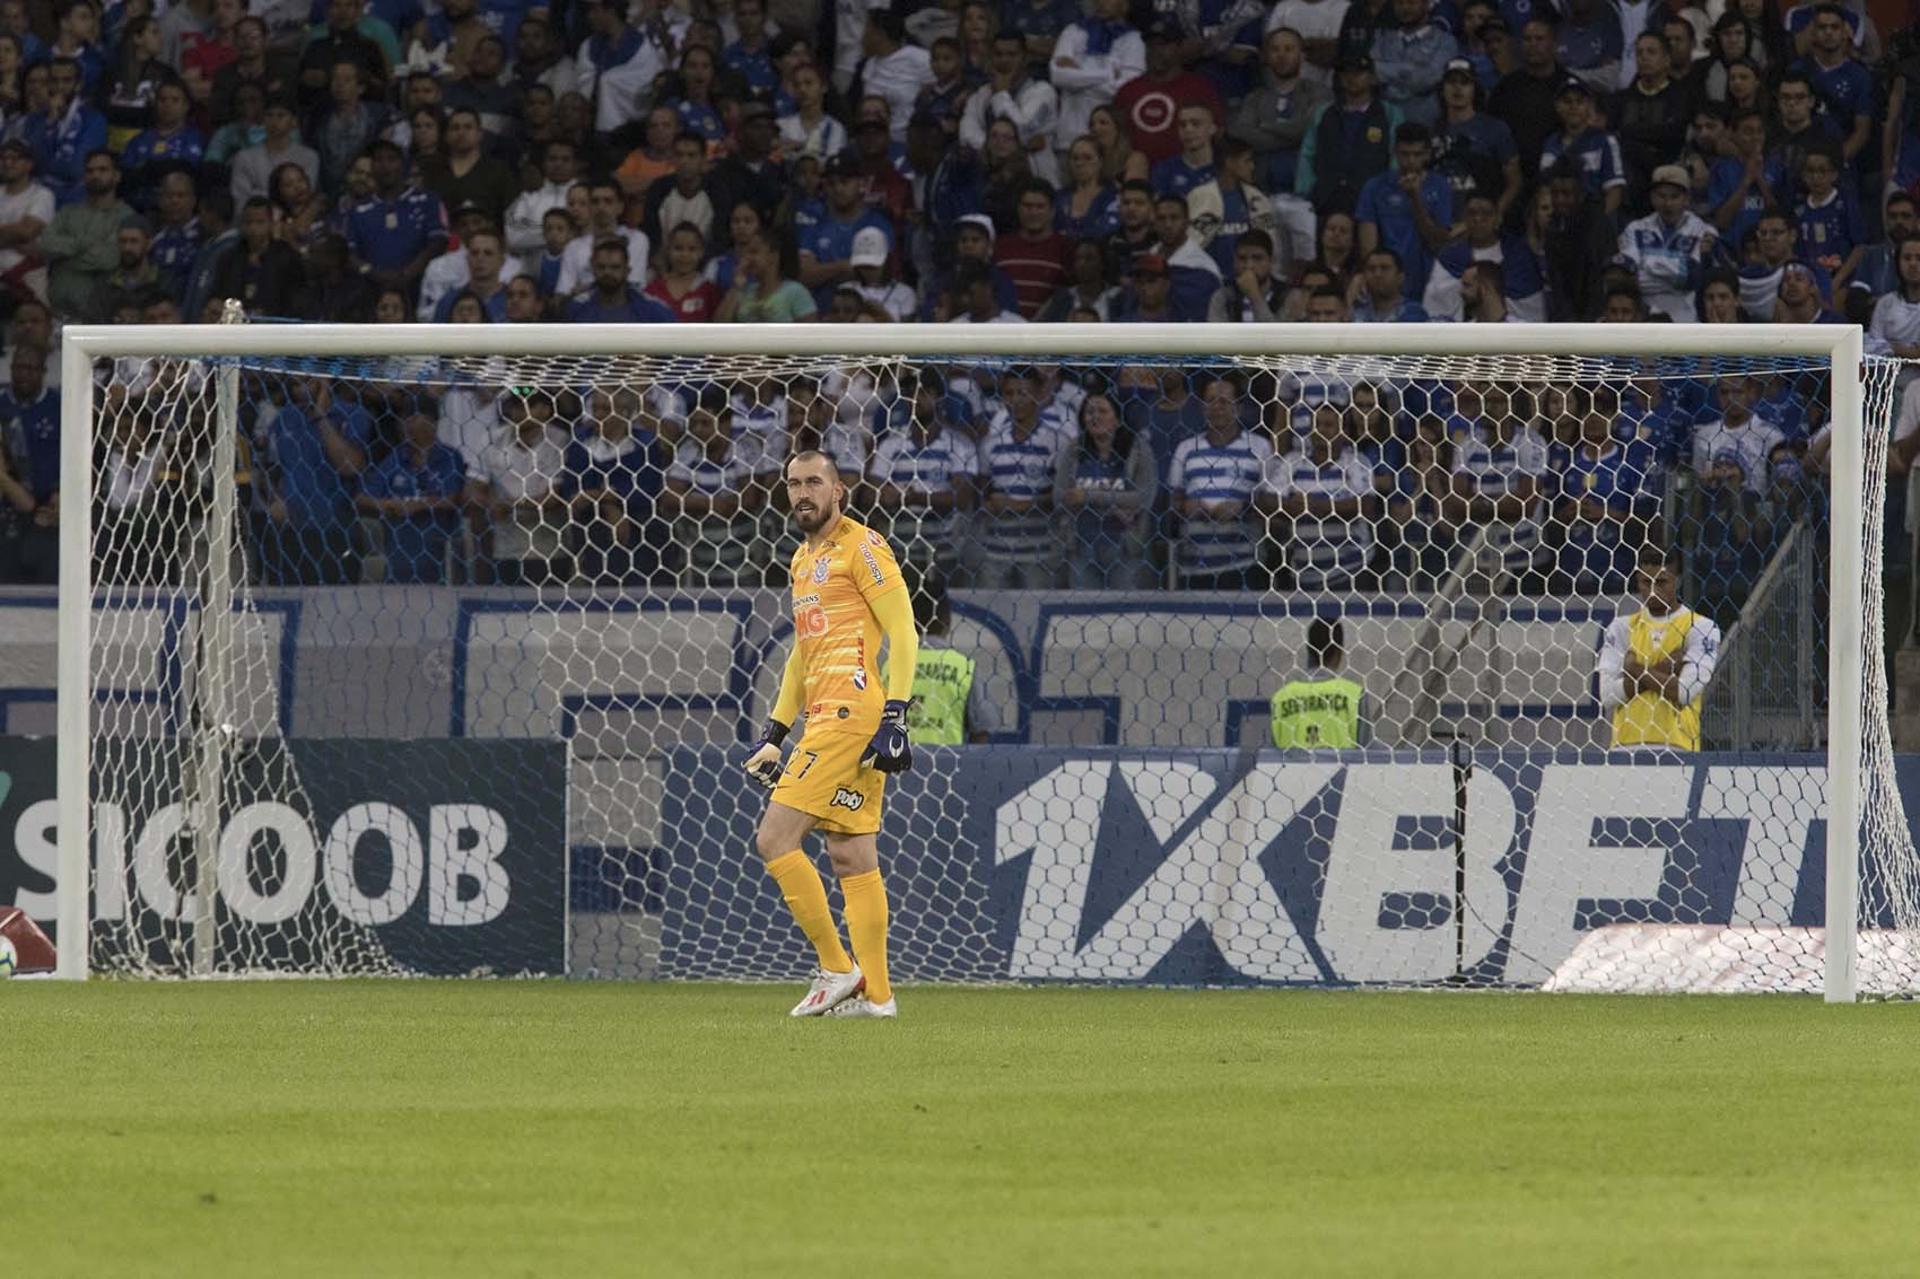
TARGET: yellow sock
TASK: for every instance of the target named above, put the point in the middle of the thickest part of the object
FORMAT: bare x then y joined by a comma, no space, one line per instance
806,897
867,925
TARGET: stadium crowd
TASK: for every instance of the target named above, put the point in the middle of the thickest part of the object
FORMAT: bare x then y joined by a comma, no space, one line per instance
960,161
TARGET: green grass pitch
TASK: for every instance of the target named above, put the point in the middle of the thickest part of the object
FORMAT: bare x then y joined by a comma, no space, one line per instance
444,1128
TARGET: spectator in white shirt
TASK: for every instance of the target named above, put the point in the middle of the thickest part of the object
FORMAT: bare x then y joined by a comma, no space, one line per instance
893,69
526,216
1091,60
1030,106
605,204
809,129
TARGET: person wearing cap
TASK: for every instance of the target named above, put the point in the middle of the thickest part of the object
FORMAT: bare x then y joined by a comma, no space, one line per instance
1349,140
252,168
1472,150
1092,58
973,247
1148,104
872,278
1031,106
1583,147
1148,295
1410,57
81,243
1408,209
826,247
26,207
1669,247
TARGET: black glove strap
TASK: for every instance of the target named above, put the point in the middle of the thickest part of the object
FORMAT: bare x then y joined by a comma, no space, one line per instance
775,732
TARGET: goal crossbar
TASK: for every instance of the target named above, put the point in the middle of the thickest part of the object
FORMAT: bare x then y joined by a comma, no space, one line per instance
1839,345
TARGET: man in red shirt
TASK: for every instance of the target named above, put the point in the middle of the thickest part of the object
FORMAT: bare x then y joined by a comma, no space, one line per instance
1035,256
1149,105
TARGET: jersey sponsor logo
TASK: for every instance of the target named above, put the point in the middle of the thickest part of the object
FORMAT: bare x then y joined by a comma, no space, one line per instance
873,565
851,800
860,678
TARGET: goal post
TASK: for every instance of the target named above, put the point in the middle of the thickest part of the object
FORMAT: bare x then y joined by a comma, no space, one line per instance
574,353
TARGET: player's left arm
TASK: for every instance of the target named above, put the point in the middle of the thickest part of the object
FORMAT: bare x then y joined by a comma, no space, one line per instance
886,595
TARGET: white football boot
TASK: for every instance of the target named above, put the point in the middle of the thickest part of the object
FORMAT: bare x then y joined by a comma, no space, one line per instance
829,991
864,1007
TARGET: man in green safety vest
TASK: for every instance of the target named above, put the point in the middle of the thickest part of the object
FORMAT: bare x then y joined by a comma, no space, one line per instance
948,708
1322,709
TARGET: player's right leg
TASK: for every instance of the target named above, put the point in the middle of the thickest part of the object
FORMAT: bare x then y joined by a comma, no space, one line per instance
779,838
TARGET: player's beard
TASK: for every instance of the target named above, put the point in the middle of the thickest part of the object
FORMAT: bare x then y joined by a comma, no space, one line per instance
811,519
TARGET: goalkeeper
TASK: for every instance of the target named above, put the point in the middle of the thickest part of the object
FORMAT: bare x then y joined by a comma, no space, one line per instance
847,595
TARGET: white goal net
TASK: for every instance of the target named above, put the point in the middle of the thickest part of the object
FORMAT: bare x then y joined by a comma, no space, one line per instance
444,662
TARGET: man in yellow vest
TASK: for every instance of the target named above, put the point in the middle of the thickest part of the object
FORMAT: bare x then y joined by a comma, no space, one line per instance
1655,664
1322,709
948,707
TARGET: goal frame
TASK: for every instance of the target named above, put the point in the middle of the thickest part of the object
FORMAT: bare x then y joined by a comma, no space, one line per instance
1840,345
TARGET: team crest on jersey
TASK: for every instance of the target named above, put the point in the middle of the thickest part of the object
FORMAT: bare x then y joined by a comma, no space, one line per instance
820,567
851,800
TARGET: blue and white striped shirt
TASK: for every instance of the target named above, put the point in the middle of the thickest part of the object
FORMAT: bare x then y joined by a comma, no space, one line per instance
1325,549
1022,468
1229,472
923,468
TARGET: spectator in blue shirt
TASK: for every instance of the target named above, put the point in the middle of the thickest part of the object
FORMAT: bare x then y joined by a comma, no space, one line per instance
613,300
1408,209
400,228
170,146
315,448
1832,232
64,134
416,494
826,247
1744,185
1583,147
1383,293
1601,508
1878,273
751,56
1843,86
30,436
1194,165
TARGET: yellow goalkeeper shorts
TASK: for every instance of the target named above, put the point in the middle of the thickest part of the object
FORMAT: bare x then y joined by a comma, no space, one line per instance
823,777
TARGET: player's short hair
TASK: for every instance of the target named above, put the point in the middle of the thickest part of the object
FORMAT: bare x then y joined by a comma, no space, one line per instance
1326,638
809,455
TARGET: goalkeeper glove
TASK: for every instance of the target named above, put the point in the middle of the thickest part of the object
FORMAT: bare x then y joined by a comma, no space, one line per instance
763,765
889,751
